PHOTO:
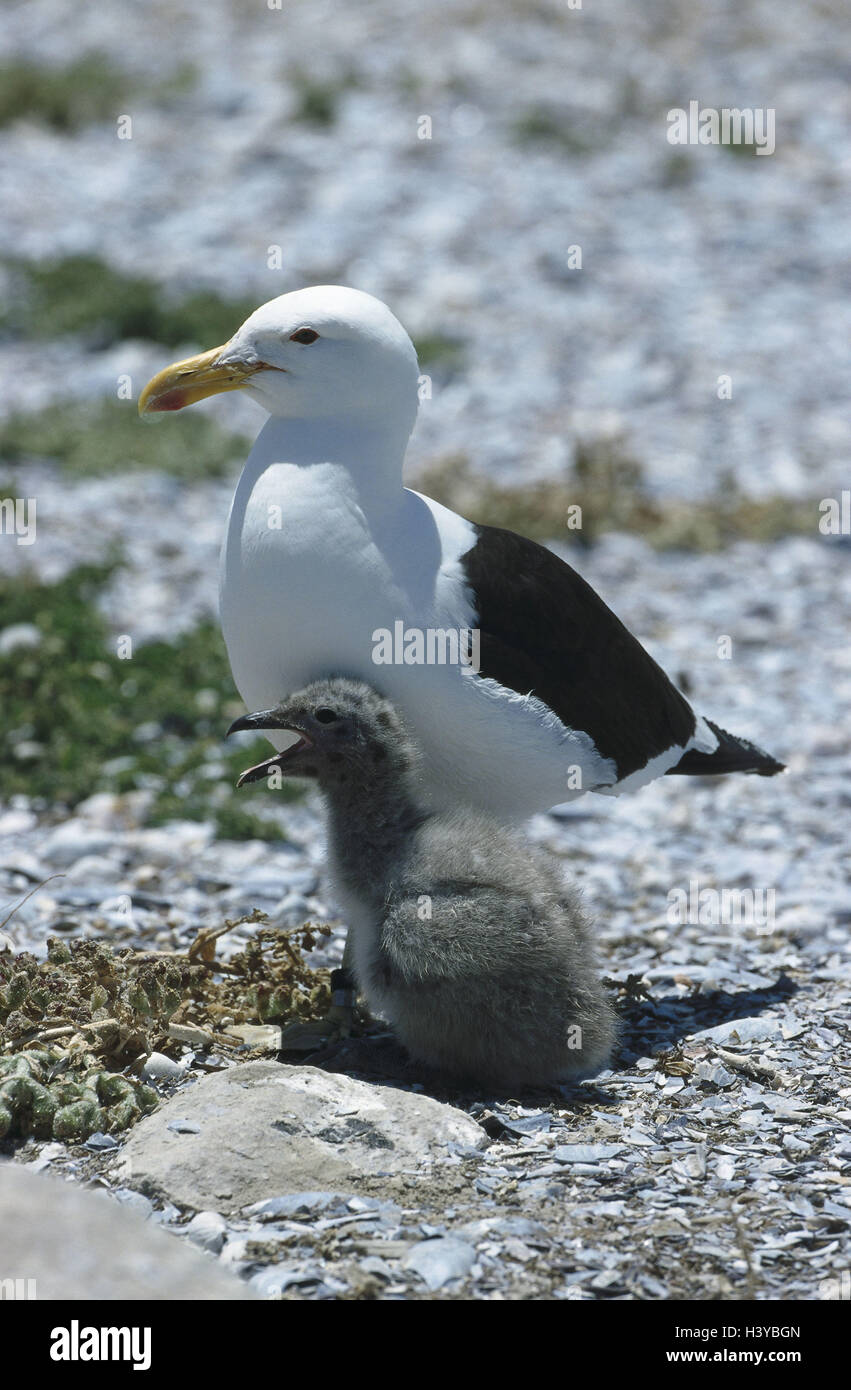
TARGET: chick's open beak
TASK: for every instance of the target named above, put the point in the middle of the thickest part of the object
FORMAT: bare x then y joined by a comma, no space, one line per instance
268,719
191,380
261,719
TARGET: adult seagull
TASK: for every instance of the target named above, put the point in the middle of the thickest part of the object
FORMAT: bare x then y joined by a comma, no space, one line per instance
330,567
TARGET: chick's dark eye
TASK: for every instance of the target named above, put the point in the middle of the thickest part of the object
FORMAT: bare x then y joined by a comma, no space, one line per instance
304,335
325,715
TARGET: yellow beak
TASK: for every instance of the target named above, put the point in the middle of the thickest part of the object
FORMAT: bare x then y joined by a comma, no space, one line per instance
191,380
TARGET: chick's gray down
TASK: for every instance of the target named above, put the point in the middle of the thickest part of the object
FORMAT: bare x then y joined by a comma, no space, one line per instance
461,934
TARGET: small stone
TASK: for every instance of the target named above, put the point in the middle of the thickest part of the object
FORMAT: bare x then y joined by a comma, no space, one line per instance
48,1153
839,1212
438,1262
527,1124
98,1142
207,1229
134,1201
293,1204
715,1074
586,1153
73,840
501,1227
373,1264
190,1034
158,1067
270,1283
258,1035
166,1215
741,1030
516,1250
792,1144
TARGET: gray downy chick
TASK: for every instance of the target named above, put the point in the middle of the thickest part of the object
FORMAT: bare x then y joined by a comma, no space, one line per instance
463,936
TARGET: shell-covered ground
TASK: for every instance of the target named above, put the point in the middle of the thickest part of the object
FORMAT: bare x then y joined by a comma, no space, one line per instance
267,149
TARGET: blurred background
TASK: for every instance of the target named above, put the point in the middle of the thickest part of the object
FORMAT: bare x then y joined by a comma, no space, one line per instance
166,167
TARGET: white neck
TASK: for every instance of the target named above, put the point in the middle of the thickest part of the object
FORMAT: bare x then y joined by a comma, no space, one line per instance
372,454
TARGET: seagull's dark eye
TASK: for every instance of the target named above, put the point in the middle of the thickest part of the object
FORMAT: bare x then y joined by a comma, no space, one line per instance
304,335
325,715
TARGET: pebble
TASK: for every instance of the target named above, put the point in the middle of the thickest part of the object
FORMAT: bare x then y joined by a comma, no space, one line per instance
271,1283
190,1034
265,1035
294,1204
135,1201
100,1142
49,1153
207,1229
438,1262
526,1124
74,840
158,1067
586,1153
742,1030
373,1264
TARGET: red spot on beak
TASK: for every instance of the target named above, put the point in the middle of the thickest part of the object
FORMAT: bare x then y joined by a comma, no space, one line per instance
171,400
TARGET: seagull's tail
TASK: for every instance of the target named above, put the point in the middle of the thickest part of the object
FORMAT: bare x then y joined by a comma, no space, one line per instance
733,754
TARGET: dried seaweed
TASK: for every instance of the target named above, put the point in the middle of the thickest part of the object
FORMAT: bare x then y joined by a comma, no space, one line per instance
77,1027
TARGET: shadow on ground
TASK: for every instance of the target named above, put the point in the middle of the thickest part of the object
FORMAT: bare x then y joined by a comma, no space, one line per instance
648,1026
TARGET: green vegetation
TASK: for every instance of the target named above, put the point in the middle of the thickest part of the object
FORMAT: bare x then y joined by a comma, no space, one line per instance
440,352
318,99
78,719
609,487
553,126
744,148
90,88
37,1100
83,294
91,438
678,170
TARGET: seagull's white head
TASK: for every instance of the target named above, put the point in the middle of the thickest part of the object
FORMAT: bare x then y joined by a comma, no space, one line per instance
317,353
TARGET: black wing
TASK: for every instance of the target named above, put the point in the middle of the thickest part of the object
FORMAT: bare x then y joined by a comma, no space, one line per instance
544,631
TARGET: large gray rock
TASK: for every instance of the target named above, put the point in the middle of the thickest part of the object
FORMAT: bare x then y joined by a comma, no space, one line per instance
262,1129
81,1245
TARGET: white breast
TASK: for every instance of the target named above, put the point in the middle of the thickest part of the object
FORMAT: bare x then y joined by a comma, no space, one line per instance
311,571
